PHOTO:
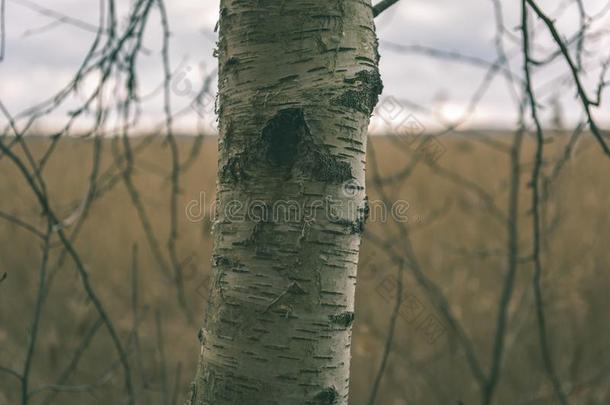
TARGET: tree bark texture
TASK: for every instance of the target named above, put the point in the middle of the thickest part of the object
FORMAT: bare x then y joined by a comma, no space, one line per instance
298,80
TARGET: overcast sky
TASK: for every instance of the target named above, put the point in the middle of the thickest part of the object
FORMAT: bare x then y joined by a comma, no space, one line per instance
41,55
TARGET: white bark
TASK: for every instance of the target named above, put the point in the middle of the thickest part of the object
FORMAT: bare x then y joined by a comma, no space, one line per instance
298,80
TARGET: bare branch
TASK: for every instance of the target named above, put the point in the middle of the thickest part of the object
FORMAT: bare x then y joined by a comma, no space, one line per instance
2,28
512,261
11,372
58,17
74,361
22,224
390,336
535,183
586,101
175,168
382,6
34,327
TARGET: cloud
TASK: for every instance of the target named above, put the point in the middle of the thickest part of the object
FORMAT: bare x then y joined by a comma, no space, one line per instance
36,66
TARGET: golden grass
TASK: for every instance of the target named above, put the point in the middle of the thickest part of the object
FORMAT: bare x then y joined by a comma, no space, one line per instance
459,245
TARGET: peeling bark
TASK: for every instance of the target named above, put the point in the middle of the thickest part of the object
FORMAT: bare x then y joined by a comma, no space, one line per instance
298,81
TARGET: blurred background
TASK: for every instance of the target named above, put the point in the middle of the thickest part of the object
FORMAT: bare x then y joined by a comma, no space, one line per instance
46,43
108,126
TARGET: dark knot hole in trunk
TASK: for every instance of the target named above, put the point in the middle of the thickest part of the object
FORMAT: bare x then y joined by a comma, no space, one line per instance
283,134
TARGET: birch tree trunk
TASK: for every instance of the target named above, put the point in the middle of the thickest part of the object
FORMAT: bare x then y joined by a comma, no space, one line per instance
298,80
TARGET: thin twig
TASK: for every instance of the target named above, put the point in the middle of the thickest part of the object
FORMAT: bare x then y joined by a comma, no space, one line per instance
35,325
22,224
398,300
512,262
175,169
2,29
535,182
586,101
74,361
165,395
382,6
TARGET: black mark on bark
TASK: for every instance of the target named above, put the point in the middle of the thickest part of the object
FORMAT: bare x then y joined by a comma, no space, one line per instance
219,260
282,136
355,227
325,167
344,319
289,144
234,170
296,289
365,96
327,396
232,61
288,147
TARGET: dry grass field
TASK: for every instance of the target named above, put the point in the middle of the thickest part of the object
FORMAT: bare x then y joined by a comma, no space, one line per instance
459,242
